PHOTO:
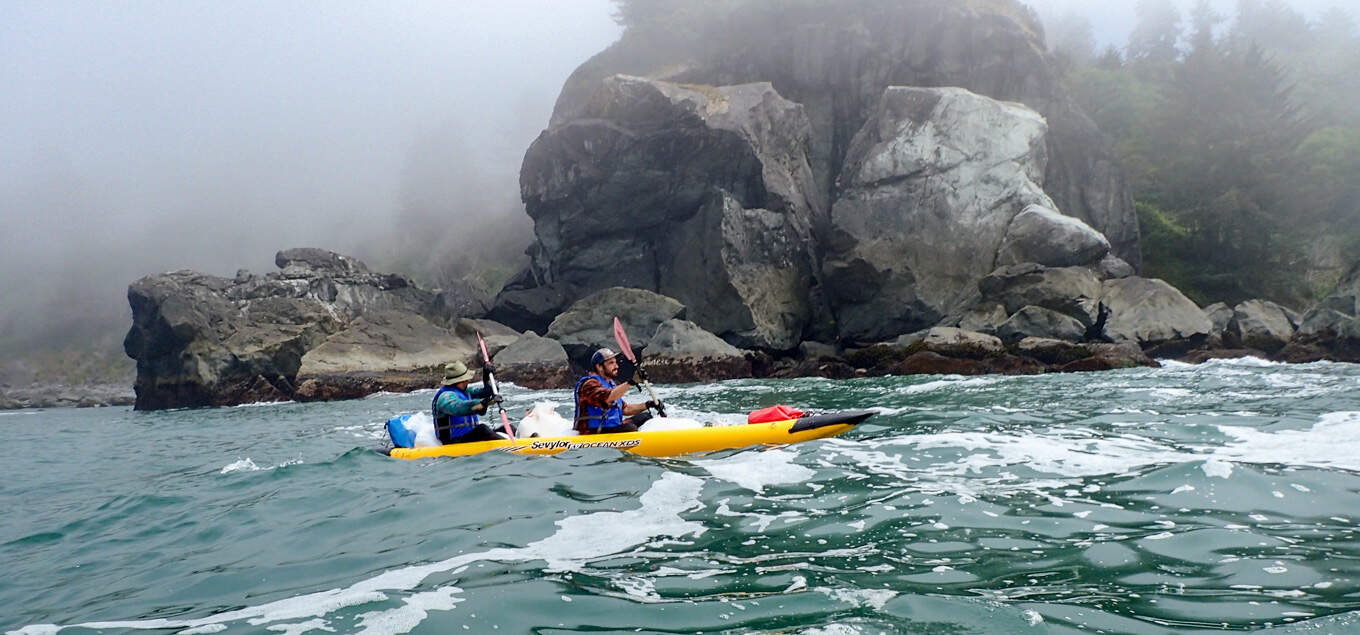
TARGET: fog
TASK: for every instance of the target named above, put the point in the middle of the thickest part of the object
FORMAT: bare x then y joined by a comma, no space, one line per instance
142,137
1111,20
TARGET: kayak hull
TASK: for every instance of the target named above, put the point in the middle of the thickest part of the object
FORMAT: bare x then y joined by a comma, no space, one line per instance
661,442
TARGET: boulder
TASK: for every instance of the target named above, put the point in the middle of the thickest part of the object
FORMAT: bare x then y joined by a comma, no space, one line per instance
1071,291
1041,235
1111,267
929,189
1219,314
1151,313
1259,324
1035,321
1331,329
534,362
1051,351
983,317
952,342
700,193
387,339
680,351
589,323
201,340
1106,356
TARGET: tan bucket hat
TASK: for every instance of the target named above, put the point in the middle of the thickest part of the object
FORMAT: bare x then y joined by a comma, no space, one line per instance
455,372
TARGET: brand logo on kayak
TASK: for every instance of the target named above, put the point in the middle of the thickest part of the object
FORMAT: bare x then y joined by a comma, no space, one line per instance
578,445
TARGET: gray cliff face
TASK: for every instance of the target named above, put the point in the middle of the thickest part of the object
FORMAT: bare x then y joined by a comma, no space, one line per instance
849,172
702,194
201,340
939,188
837,58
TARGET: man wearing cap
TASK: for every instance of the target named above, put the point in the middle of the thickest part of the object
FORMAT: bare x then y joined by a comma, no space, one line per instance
455,408
600,407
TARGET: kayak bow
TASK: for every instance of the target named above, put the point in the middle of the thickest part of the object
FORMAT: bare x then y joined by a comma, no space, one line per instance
661,442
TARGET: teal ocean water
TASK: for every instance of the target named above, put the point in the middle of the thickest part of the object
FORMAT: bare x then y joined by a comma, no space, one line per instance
1185,498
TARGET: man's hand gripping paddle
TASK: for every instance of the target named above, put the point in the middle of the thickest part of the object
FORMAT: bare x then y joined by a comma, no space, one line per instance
621,339
495,389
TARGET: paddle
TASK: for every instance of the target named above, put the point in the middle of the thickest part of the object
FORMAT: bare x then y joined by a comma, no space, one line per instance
621,339
495,390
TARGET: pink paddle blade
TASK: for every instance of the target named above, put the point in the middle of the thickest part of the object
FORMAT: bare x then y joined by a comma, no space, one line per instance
621,339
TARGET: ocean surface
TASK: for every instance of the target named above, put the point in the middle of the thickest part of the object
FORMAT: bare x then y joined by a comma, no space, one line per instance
1224,496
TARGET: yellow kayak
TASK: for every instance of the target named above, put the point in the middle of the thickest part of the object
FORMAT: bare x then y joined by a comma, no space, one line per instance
661,442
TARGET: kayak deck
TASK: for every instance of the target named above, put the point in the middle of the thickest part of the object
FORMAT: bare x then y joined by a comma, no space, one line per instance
661,442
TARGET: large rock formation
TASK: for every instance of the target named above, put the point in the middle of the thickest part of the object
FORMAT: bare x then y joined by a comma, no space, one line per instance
322,327
701,194
750,152
939,188
836,57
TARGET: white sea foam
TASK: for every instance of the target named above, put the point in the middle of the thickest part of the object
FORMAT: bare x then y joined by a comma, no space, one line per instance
950,382
578,539
1330,443
263,404
247,465
757,470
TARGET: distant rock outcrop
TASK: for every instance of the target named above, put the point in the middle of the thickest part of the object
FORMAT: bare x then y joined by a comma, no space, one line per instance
322,327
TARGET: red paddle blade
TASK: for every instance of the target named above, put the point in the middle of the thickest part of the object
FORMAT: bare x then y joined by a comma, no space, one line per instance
621,339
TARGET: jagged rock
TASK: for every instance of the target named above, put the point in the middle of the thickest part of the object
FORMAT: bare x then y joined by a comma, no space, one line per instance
1150,313
534,362
836,57
1111,267
1041,235
680,351
709,196
496,335
952,342
386,339
1071,291
1219,314
984,317
1035,321
460,299
1105,356
309,261
1259,324
1330,330
1051,351
202,340
929,189
589,323
814,351
524,305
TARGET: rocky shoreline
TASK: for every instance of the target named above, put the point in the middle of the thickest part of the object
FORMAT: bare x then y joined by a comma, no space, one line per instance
62,395
917,194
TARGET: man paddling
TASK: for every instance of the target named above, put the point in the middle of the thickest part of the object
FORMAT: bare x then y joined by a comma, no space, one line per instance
455,408
600,407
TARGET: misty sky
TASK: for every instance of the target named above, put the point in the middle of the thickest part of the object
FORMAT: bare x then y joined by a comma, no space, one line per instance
1113,19
138,137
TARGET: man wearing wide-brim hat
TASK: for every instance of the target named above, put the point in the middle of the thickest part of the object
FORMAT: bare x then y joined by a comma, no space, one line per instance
455,408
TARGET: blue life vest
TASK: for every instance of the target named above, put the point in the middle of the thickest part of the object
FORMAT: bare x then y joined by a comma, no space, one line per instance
592,418
448,428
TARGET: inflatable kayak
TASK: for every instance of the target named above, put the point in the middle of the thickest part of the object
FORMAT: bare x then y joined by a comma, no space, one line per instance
661,442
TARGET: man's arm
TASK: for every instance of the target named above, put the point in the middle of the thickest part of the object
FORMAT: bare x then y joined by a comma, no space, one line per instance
449,404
